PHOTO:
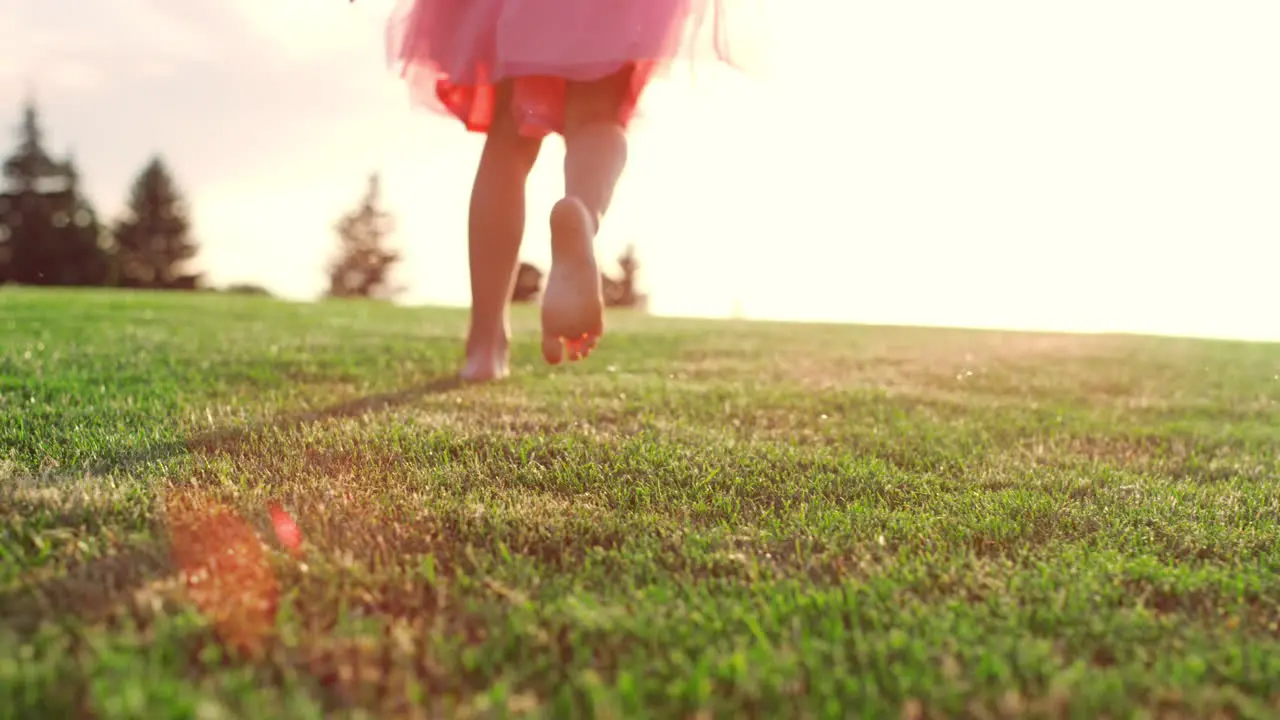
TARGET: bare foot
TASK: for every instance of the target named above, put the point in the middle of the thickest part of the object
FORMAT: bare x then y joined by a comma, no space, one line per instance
573,303
486,359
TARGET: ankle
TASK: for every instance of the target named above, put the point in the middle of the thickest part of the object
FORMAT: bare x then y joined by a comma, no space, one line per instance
492,337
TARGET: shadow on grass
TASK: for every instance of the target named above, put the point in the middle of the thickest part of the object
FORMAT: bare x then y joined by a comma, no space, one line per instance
228,438
24,606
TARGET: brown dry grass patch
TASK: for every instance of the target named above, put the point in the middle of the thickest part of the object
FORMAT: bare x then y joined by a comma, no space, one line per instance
1174,456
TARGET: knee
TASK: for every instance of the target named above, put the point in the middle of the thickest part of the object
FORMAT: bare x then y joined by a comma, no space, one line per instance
518,152
599,116
600,137
525,151
581,116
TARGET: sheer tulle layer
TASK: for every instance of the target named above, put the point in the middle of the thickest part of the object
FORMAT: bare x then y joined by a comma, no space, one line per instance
452,53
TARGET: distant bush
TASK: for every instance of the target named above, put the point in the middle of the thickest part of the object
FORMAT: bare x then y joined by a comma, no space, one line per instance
528,285
246,289
624,291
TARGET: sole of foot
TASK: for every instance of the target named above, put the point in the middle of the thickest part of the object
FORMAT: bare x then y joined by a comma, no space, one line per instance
573,302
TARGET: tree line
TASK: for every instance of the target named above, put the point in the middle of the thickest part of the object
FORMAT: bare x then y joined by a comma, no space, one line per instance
51,235
362,265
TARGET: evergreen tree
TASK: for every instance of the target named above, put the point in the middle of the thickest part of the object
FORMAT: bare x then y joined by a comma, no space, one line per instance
153,240
362,266
29,164
49,232
84,244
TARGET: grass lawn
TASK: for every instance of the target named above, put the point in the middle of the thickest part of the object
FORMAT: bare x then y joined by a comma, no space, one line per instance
706,519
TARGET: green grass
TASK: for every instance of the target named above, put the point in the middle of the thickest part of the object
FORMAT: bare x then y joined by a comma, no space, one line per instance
705,519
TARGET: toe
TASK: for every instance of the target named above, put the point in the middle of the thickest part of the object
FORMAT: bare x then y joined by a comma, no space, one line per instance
574,349
581,348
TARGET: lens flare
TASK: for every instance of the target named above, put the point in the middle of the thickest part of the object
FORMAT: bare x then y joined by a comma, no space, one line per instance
287,531
225,567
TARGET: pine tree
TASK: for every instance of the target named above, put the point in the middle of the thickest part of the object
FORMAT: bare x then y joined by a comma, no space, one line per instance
49,233
153,240
30,165
85,257
362,266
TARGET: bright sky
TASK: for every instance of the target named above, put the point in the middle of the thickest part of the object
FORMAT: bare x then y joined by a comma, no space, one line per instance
1093,165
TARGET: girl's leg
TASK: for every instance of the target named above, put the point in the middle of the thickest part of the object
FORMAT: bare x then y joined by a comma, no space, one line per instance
495,228
595,155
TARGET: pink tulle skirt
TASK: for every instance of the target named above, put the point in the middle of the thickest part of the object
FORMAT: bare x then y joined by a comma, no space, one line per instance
454,53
